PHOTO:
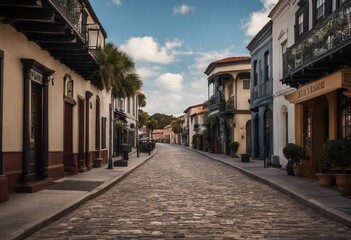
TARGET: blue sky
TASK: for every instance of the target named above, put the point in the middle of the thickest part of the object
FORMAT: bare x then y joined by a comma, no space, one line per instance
173,41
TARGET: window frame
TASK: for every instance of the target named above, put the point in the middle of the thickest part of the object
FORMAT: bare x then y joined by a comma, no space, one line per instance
266,68
255,73
301,28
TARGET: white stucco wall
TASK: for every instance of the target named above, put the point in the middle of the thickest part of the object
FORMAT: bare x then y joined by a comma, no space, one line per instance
16,46
283,31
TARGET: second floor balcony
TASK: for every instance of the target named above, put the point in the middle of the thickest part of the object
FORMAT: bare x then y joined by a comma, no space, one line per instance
221,106
60,27
324,49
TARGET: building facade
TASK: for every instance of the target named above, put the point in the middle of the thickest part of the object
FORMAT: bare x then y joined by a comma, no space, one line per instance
189,130
261,102
229,104
316,65
54,108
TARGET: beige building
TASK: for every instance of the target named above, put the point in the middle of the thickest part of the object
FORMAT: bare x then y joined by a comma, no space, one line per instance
168,135
157,135
189,128
53,108
229,104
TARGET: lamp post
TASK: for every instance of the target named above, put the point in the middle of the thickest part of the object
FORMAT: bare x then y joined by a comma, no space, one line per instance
110,139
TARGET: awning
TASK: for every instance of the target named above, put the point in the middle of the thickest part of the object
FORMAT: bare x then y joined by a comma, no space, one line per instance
119,115
332,82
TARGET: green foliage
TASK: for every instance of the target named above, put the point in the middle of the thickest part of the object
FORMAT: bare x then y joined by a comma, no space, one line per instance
324,165
163,120
141,100
338,152
234,146
194,141
143,117
294,153
151,124
177,125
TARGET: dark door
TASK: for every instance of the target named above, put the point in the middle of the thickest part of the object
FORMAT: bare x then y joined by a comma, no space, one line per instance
248,137
36,132
81,153
68,158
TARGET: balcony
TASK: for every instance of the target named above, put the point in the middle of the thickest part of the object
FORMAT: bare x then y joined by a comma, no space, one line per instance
324,49
221,108
59,27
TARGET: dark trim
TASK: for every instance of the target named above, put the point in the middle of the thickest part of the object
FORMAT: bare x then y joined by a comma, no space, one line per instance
29,64
70,100
242,112
1,106
88,95
304,9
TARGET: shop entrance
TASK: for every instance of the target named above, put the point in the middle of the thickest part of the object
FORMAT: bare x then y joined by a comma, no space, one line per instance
315,131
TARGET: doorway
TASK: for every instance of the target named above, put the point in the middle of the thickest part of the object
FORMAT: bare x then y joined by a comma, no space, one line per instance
68,157
315,129
81,152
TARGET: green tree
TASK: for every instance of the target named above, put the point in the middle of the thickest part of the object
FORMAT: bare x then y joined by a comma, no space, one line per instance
143,117
177,126
163,119
117,71
151,125
141,100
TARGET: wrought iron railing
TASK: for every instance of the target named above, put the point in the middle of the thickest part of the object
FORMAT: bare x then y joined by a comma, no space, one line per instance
326,36
262,90
72,11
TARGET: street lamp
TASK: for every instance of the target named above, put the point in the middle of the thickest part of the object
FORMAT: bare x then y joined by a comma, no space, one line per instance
93,36
110,139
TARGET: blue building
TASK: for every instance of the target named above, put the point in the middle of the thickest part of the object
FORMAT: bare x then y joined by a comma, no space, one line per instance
261,103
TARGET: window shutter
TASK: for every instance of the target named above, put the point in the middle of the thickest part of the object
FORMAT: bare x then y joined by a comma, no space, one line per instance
305,18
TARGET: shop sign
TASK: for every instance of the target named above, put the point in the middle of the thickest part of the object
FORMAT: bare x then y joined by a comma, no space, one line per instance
315,88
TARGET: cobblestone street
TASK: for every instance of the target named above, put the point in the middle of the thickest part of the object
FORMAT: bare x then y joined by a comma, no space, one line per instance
181,194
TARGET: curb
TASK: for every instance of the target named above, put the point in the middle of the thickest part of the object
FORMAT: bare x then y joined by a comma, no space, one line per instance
72,206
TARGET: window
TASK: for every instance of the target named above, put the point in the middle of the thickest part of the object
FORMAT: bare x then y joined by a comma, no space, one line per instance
345,118
68,86
246,84
255,78
301,19
211,90
320,9
300,24
267,63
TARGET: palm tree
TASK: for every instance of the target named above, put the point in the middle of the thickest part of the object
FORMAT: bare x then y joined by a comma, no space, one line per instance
151,125
117,71
141,100
177,127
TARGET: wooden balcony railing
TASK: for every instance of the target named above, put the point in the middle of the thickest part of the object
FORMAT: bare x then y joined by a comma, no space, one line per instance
328,35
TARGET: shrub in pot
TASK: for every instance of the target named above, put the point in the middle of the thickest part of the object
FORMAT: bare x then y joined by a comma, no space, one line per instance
325,178
338,152
294,153
234,146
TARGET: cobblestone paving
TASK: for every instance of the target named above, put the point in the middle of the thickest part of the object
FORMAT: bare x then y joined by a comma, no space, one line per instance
179,194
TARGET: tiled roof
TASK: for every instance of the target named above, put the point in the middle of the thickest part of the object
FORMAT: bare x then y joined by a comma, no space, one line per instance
232,59
226,61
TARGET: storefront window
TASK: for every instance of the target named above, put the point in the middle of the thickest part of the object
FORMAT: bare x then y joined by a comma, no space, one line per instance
346,121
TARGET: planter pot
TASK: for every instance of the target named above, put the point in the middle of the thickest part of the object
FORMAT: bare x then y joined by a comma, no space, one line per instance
289,170
245,157
297,170
343,182
325,179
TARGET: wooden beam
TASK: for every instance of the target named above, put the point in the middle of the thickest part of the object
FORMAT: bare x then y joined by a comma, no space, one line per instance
31,26
51,38
18,13
20,3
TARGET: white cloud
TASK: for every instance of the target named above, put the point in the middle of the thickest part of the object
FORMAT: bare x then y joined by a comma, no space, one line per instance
170,82
148,49
183,9
199,85
258,19
148,71
205,58
117,2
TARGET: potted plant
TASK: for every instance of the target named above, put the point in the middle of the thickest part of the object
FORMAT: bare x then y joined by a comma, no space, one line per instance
338,151
294,153
234,146
325,178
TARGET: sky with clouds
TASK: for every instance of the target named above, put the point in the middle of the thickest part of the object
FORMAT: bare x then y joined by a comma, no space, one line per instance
173,41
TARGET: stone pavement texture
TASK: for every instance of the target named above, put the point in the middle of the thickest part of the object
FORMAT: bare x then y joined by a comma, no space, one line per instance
180,194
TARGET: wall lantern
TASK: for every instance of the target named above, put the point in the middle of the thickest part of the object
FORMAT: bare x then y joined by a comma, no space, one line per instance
229,119
93,36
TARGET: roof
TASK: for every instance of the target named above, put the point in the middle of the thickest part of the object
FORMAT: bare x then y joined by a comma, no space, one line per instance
194,106
157,131
259,35
228,60
93,15
202,111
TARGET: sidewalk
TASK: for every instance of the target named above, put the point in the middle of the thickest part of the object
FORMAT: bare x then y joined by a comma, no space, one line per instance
25,213
326,200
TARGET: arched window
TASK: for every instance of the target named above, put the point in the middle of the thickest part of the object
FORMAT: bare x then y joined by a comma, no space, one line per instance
68,86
